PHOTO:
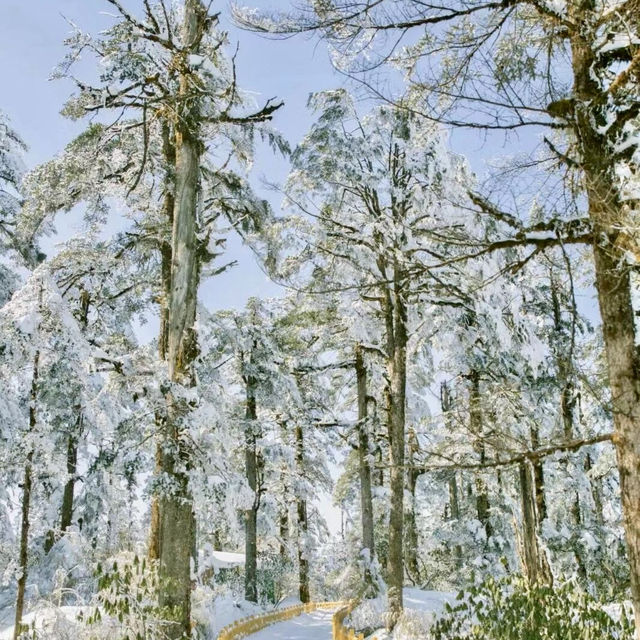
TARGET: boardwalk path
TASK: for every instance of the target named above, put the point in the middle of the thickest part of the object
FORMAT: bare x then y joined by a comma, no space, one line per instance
309,626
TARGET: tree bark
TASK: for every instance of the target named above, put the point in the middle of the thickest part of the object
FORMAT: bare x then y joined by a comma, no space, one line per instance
475,419
613,284
175,506
538,477
66,513
284,506
283,529
23,559
624,376
364,467
446,404
169,153
303,523
411,531
396,312
454,506
536,566
251,515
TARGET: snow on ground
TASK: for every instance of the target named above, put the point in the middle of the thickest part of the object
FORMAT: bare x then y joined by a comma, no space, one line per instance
50,622
309,626
421,610
432,601
214,613
211,614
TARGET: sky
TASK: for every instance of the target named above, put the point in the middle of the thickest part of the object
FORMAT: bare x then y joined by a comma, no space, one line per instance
32,33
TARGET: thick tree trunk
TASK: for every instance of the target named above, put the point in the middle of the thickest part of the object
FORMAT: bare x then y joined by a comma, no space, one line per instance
73,438
284,505
303,524
613,283
536,566
163,333
251,515
366,499
23,559
446,404
614,294
154,524
175,506
283,529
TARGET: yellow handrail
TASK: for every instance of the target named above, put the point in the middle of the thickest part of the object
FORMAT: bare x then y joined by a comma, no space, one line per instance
246,626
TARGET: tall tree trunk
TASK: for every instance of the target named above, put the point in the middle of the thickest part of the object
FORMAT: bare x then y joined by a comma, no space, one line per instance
476,428
175,506
411,531
73,438
251,515
536,566
169,153
454,507
284,506
613,284
303,524
538,477
364,467
23,559
397,373
446,404
624,376
66,513
283,529
154,524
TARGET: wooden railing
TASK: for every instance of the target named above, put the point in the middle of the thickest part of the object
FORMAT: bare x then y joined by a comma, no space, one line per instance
339,630
246,626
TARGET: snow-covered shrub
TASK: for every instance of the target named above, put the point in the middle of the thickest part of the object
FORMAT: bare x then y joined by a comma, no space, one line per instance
421,609
511,609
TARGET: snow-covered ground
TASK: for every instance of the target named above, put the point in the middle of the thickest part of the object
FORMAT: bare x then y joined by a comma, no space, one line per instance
421,610
211,614
309,626
60,623
55,623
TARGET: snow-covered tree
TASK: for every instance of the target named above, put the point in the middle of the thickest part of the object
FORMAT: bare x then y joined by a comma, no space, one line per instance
382,190
12,169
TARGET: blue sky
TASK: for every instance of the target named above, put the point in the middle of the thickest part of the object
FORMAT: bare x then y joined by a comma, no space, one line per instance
31,43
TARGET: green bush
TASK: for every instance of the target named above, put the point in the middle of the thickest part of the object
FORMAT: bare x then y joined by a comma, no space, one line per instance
124,607
510,609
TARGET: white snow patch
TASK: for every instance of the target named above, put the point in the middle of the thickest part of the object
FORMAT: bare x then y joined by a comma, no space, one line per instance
50,622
